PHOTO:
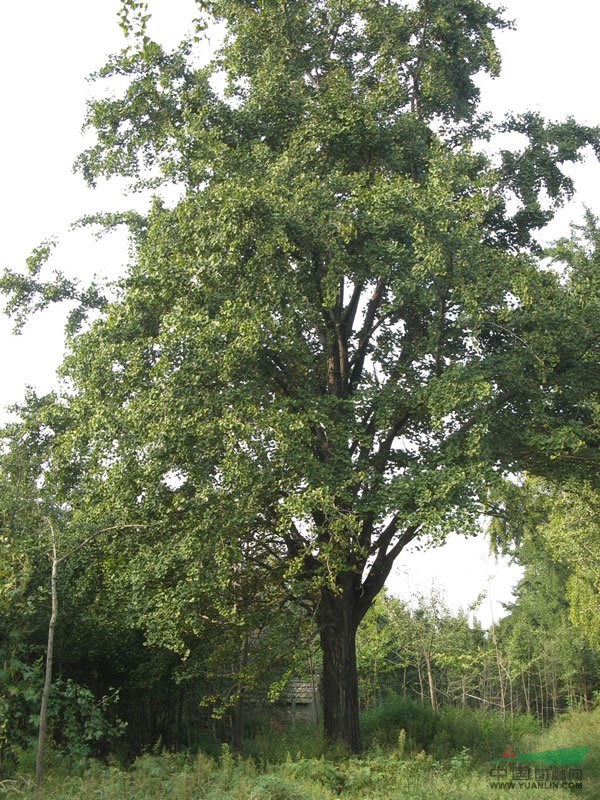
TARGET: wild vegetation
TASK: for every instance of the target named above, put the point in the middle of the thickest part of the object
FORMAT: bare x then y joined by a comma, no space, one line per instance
450,686
291,766
338,334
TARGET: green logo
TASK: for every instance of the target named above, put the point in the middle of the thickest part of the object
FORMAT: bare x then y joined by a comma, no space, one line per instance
565,755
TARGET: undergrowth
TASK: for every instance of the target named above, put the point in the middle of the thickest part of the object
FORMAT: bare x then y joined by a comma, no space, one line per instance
446,756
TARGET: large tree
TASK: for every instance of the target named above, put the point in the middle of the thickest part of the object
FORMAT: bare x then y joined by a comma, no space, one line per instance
338,335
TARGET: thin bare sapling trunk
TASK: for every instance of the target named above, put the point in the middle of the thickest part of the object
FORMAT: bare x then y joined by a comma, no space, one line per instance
39,760
56,560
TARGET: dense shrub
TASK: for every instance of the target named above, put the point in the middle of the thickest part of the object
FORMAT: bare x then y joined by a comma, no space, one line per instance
381,726
484,733
445,732
268,745
388,772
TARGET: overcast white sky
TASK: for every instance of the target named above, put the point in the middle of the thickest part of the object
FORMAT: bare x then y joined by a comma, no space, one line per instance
550,64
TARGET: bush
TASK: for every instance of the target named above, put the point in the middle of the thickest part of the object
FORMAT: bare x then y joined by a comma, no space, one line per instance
320,771
273,746
275,787
573,729
381,726
484,733
83,722
443,733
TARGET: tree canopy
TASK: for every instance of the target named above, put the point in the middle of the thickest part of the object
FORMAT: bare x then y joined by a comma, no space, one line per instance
340,334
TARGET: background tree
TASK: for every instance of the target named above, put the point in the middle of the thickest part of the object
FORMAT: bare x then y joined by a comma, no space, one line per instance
384,650
108,594
338,337
549,652
572,536
20,556
38,527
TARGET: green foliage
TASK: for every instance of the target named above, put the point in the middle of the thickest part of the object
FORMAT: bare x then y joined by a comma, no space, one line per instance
81,724
23,567
20,691
396,642
29,293
385,644
571,535
83,721
573,729
380,776
483,733
444,733
381,726
269,745
337,339
550,529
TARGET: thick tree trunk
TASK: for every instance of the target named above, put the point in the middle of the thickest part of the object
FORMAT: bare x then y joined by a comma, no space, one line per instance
338,622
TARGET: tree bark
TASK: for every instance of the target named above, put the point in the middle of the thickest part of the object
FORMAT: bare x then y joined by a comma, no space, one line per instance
338,621
237,725
420,676
430,681
39,760
237,717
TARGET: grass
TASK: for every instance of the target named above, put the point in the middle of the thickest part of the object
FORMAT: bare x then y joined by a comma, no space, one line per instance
443,734
393,767
372,778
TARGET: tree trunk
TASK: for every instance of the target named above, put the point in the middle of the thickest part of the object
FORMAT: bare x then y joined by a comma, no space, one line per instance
237,725
39,760
315,694
237,718
526,692
338,622
420,676
430,681
499,665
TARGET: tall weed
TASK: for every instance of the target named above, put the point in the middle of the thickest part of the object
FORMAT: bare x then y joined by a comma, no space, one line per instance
387,773
381,726
445,732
